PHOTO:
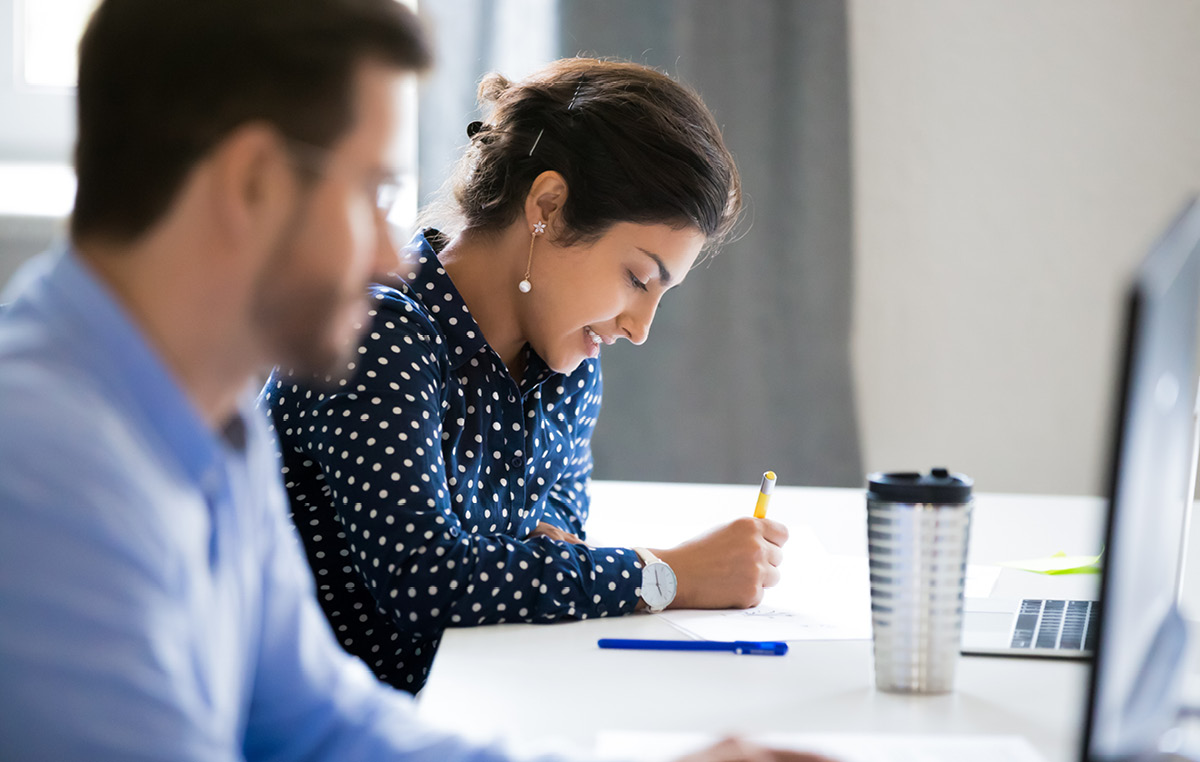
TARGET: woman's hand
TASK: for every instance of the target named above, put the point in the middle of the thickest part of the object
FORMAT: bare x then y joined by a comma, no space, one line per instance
554,533
735,750
729,567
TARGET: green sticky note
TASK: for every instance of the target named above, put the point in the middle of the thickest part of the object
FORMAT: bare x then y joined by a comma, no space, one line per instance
1059,563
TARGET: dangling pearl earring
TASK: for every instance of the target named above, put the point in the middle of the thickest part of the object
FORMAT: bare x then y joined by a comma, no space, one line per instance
525,286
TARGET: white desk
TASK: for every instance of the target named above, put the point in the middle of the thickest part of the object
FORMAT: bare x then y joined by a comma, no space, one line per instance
536,681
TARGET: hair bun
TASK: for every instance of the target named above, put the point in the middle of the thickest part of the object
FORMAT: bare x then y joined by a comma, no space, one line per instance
492,86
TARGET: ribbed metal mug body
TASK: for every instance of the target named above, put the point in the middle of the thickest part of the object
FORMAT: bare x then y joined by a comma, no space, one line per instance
917,555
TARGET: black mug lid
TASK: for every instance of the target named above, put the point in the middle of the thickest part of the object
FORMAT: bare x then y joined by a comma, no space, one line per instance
938,486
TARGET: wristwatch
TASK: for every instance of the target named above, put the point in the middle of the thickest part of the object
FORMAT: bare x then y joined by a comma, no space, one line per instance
658,581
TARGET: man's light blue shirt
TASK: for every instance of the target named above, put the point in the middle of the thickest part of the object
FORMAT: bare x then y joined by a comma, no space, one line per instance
154,603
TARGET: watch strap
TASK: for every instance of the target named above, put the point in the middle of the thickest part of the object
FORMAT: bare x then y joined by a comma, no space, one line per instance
647,557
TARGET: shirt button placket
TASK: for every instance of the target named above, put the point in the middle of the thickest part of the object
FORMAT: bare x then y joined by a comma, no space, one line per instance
516,461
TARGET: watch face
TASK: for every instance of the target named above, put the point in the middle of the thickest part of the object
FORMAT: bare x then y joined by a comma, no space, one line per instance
658,585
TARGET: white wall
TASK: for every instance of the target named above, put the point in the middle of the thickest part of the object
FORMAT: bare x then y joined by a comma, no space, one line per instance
1013,160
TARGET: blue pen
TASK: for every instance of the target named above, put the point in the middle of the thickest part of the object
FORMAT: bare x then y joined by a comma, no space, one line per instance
757,647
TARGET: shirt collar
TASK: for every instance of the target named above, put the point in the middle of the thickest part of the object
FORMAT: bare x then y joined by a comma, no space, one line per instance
428,281
107,339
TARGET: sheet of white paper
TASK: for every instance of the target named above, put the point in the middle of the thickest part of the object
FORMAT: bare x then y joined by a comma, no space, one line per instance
845,747
821,597
824,597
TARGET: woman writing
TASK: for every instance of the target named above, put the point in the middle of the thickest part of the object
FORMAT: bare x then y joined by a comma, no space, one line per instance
444,482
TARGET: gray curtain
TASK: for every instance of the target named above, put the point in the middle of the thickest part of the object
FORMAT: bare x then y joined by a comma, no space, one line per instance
747,366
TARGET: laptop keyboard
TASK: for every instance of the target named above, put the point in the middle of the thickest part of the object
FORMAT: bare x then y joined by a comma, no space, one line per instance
1056,624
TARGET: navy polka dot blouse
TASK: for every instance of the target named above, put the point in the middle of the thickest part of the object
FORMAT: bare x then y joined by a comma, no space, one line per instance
416,482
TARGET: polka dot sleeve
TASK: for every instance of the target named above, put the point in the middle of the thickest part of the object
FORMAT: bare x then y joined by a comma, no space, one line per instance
428,560
568,499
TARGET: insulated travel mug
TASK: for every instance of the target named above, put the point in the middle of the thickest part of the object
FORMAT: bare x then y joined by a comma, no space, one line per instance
917,531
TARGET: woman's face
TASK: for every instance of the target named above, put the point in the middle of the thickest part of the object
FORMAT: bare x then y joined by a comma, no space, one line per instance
589,295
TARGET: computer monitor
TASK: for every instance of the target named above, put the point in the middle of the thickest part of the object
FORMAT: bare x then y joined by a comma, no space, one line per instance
1135,693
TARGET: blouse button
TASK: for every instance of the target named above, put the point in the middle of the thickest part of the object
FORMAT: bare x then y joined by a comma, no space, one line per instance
516,461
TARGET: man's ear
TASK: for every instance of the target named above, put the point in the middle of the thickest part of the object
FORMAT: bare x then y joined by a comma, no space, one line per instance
545,200
254,187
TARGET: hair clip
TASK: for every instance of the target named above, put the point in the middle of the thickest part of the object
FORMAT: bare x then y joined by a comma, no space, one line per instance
575,95
570,106
537,140
473,129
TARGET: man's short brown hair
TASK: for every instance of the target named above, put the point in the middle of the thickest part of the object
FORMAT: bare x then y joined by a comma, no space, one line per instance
161,82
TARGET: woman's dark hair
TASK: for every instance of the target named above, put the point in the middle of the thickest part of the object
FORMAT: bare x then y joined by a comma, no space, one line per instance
633,145
161,82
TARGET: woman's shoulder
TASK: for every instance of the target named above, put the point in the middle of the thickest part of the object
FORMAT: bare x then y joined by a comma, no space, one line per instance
401,344
395,308
395,304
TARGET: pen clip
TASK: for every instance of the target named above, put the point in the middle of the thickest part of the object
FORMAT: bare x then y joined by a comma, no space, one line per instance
760,647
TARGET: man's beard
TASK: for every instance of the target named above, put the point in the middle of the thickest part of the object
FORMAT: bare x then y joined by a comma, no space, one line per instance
297,320
301,337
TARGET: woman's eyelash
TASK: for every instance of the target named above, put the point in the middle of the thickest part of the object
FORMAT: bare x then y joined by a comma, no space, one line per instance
633,280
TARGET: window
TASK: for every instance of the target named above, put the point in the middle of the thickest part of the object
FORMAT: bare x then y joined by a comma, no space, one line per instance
37,100
47,35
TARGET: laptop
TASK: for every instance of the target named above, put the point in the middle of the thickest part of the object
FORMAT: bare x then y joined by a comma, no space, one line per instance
1060,628
1135,696
1153,470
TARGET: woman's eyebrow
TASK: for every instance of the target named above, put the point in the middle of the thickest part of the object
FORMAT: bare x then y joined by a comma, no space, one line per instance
664,275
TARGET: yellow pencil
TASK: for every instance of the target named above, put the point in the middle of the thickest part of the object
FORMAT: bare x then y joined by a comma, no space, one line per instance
764,495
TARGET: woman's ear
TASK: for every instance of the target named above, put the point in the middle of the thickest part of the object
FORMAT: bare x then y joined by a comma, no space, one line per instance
545,200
